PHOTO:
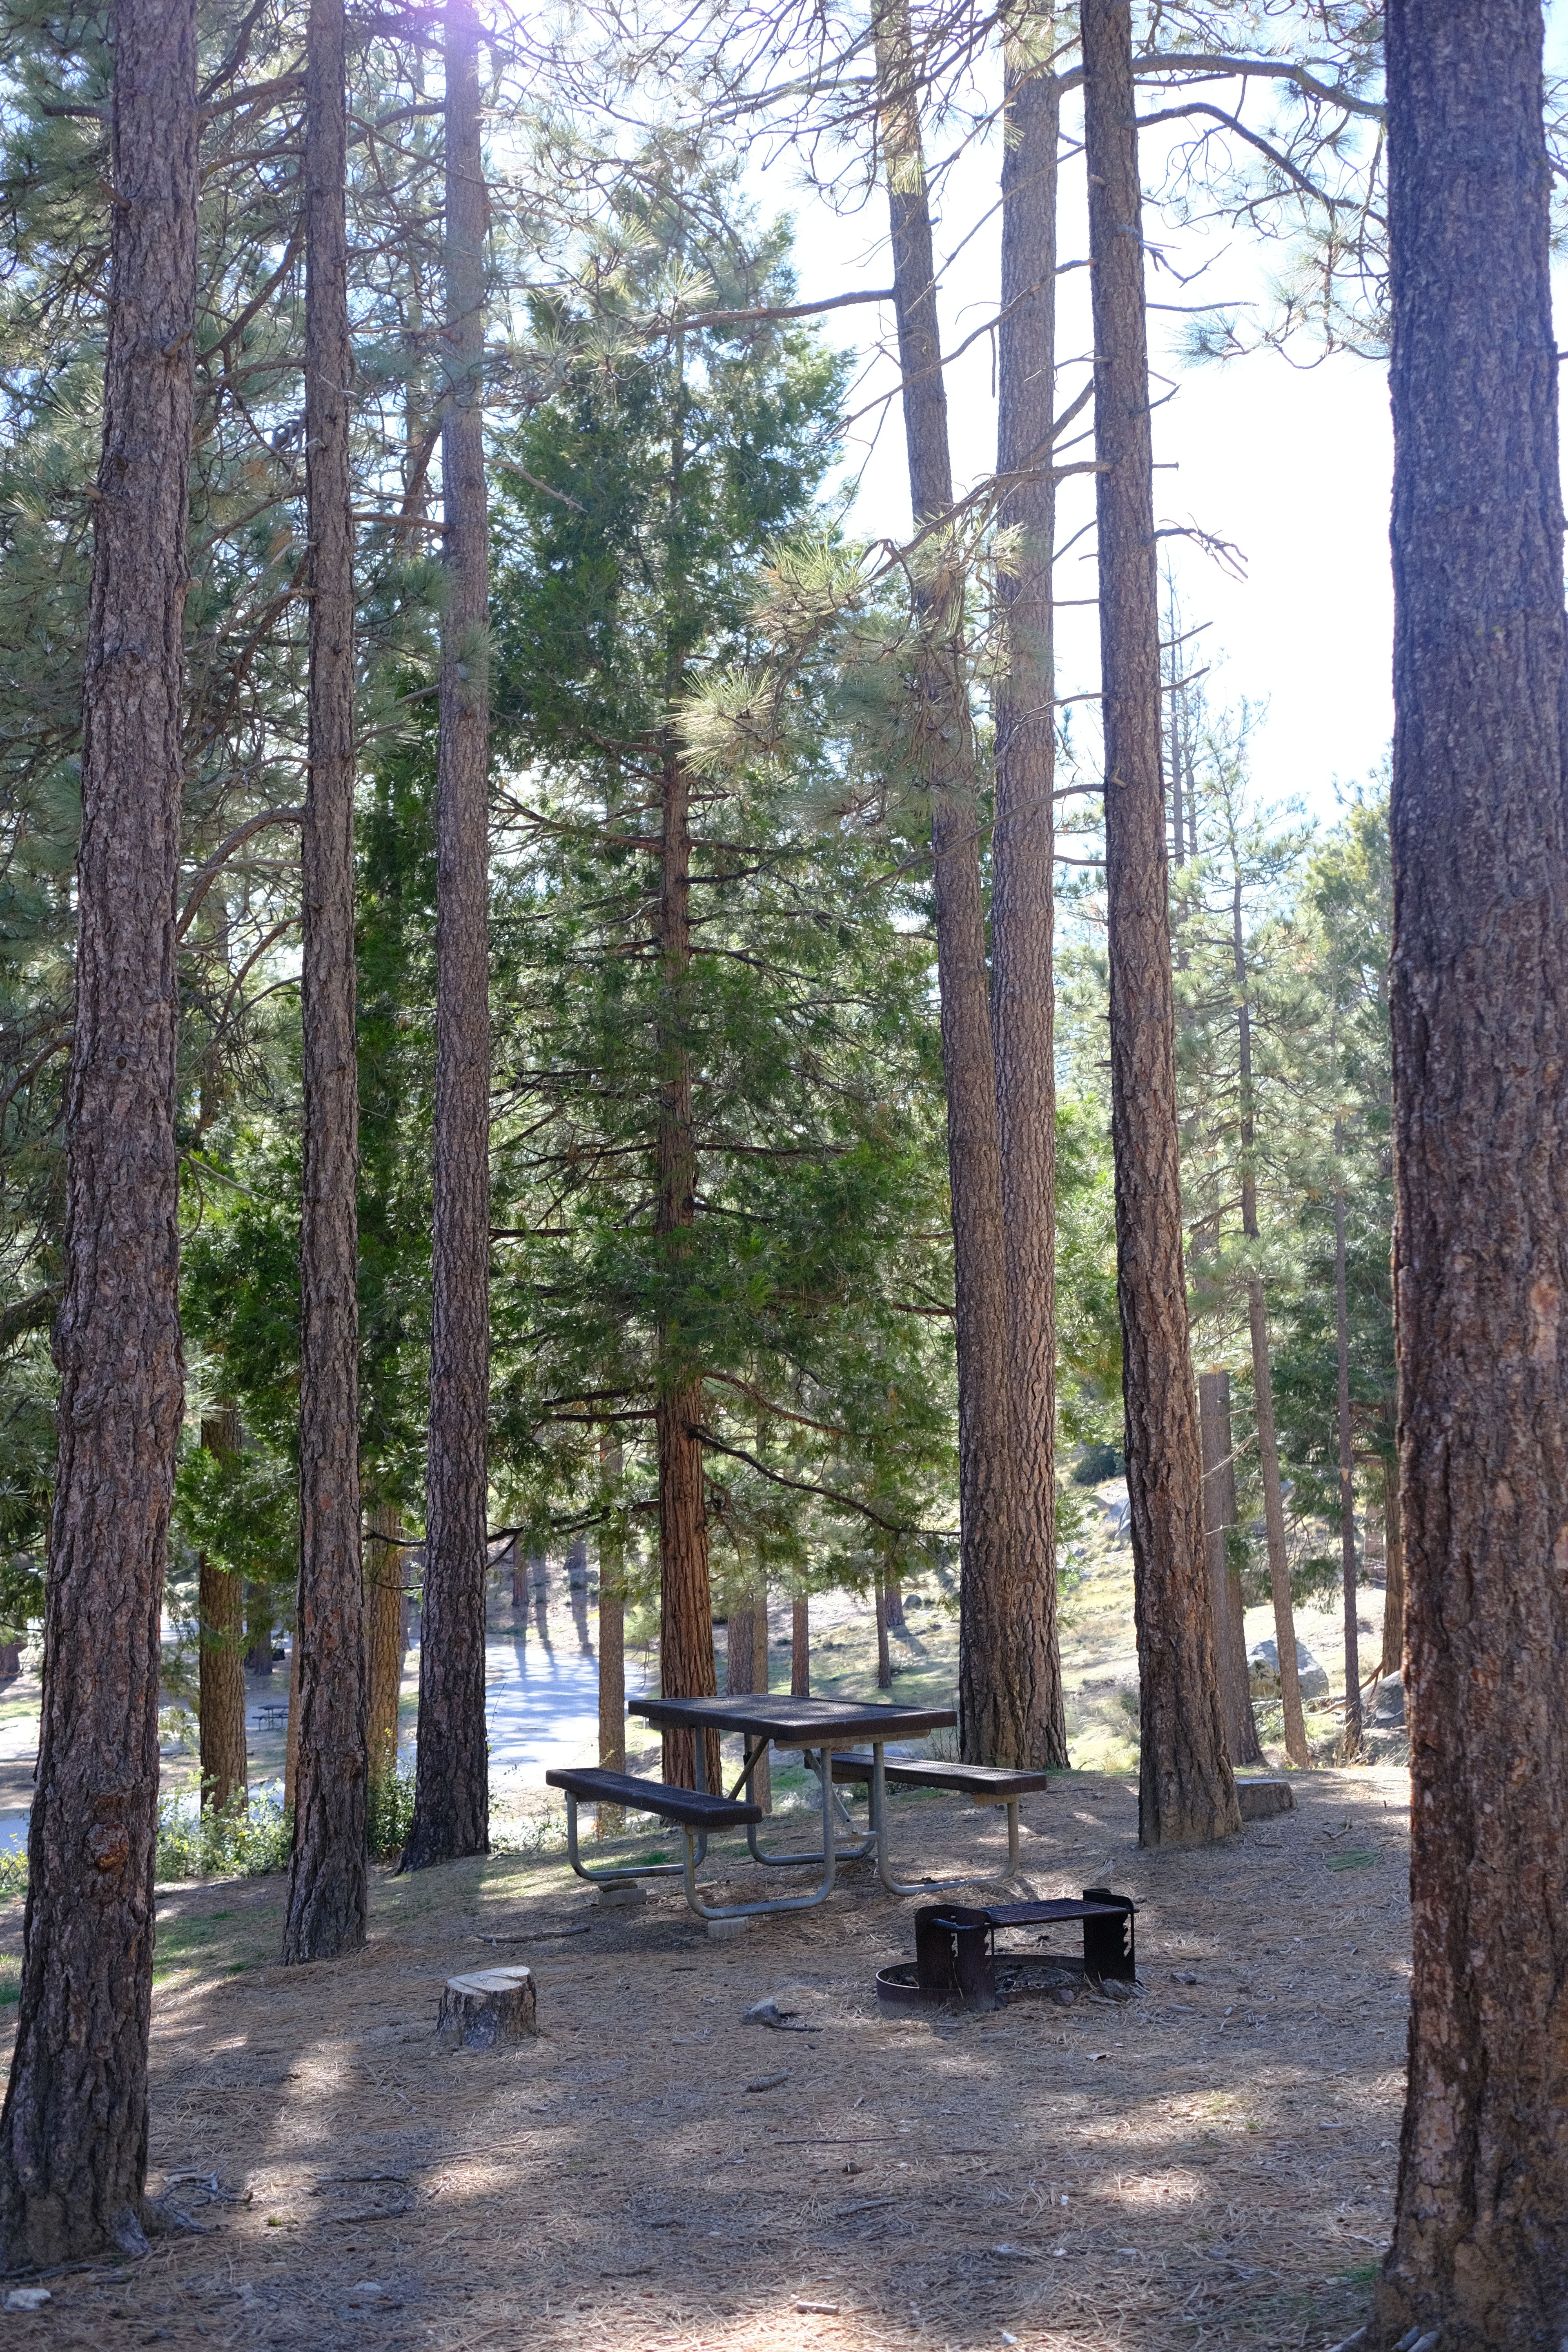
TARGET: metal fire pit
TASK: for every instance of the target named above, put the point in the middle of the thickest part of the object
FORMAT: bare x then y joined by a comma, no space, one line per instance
957,1961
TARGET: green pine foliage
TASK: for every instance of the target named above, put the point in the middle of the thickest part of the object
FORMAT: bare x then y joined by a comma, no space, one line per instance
633,520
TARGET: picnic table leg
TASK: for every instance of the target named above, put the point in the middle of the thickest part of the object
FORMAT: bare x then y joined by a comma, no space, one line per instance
845,1850
929,1885
628,1872
784,1902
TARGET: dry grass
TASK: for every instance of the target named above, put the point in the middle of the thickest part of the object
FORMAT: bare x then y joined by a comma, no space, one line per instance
1224,2149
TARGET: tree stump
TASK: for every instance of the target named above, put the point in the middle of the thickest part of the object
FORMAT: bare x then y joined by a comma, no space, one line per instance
489,2006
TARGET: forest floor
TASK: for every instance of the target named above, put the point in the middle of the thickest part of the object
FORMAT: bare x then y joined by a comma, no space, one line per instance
1211,2166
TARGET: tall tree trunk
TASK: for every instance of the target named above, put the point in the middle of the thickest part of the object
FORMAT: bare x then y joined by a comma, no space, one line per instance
451,1789
1224,1584
1394,1574
884,1655
686,1664
1352,1733
997,1694
686,1602
220,1618
292,1731
1479,993
895,1599
686,1661
384,1640
738,1649
1186,1793
326,1905
1295,1748
73,2134
257,1630
610,1820
800,1647
762,1781
1023,1010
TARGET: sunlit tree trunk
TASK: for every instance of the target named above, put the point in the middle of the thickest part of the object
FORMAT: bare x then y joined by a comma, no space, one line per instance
384,1640
325,1913
451,1796
1224,1584
997,1684
1393,1575
1352,1732
800,1647
1186,1793
220,1618
1479,1002
73,2135
610,1820
1296,1748
1022,843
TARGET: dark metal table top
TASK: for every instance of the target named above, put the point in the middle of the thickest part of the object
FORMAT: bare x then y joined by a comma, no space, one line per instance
795,1722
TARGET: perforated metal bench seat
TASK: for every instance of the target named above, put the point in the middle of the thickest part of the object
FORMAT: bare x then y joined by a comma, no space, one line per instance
693,1809
988,1784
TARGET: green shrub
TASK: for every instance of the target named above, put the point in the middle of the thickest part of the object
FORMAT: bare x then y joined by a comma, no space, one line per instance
1098,1463
388,1811
225,1841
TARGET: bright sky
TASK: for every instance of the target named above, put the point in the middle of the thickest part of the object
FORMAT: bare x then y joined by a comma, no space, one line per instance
1290,464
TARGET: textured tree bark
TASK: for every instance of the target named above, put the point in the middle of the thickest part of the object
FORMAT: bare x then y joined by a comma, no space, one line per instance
762,1781
1480,996
1296,1748
895,1601
800,1647
326,1905
1224,1584
451,1792
686,1666
1353,1731
1186,1792
1022,1007
1393,1575
220,1617
257,1630
884,1655
737,1650
609,1821
73,2134
292,1736
998,1700
383,1641
685,1662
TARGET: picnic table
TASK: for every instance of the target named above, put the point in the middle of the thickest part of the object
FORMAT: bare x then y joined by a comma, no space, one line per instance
829,1731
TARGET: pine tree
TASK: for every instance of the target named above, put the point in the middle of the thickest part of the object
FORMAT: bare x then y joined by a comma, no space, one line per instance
327,1892
1480,950
999,1693
73,2135
1186,1790
792,1298
451,1804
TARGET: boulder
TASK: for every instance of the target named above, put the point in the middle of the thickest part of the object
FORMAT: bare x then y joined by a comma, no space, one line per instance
1263,1671
1262,1799
1385,1708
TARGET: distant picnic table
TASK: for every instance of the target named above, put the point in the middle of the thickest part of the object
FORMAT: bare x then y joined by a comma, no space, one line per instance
829,1731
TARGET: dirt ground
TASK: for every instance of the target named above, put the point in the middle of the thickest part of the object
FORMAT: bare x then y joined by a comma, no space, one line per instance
1210,2166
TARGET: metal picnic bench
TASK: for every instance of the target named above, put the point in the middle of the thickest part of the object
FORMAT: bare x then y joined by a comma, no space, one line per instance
826,1731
